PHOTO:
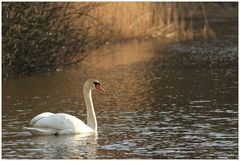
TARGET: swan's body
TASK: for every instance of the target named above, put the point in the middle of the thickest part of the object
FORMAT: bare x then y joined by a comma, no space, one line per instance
60,123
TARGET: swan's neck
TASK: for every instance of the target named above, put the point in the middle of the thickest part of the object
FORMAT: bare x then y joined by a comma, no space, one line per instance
91,117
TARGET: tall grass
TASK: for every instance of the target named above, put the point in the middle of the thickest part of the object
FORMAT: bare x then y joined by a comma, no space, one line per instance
42,35
153,19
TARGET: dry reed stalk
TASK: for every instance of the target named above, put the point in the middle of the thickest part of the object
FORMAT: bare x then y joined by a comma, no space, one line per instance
56,32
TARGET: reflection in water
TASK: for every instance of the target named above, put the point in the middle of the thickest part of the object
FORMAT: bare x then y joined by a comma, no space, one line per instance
60,147
123,55
151,109
69,146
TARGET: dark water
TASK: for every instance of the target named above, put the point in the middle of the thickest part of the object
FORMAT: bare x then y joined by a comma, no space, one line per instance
152,109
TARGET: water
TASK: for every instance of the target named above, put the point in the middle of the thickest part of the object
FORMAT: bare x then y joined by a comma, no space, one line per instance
154,107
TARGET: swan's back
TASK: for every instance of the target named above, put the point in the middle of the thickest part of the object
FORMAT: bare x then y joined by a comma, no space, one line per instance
58,123
40,116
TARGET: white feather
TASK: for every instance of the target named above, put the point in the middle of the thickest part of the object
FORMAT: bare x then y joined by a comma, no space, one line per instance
48,123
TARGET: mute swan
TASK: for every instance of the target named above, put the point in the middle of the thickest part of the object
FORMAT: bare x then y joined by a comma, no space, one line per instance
60,123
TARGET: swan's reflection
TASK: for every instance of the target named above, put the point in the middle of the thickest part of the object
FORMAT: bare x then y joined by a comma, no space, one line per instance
67,146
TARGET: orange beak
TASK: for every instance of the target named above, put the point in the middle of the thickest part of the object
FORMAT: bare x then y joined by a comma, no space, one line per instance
99,88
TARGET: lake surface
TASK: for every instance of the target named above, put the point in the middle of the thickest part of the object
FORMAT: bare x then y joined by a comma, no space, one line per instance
155,107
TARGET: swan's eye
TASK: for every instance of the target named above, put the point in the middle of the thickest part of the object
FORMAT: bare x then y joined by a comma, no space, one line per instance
96,83
98,86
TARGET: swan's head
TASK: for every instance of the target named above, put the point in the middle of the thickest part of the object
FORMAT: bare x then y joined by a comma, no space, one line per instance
93,84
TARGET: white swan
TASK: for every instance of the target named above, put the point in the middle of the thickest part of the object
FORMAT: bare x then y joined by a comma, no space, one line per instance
60,123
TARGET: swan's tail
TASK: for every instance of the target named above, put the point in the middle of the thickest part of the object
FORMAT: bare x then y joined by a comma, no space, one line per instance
40,131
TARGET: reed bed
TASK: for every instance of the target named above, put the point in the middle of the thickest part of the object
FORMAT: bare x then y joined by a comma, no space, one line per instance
44,35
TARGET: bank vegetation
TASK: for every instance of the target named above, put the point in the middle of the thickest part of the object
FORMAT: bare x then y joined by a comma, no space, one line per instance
39,36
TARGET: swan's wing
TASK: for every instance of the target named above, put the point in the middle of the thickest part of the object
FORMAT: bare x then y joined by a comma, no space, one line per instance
40,131
40,116
62,121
